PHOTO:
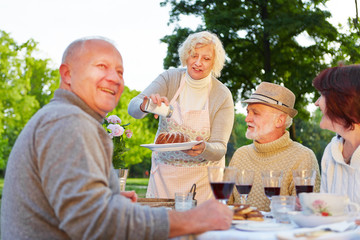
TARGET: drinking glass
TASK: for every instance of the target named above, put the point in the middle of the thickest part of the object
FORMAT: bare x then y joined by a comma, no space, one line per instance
183,201
271,182
222,181
281,206
122,176
244,181
304,180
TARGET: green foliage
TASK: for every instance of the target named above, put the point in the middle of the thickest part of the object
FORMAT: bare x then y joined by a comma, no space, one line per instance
237,137
119,151
141,169
26,84
349,45
132,181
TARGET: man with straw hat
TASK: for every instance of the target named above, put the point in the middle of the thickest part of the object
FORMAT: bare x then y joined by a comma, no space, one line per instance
270,112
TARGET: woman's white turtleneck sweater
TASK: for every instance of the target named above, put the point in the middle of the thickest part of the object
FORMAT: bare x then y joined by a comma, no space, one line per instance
221,108
195,93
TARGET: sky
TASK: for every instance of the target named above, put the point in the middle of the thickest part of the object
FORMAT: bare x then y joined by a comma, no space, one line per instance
136,26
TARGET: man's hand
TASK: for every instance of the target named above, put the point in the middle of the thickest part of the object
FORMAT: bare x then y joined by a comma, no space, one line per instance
211,215
131,195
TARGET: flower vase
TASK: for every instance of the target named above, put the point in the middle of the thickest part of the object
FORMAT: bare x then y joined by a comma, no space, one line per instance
122,176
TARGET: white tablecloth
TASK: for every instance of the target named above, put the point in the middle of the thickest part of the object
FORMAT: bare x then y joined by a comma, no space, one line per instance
234,234
231,234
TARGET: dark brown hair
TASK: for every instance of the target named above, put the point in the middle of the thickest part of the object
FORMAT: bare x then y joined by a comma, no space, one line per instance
341,88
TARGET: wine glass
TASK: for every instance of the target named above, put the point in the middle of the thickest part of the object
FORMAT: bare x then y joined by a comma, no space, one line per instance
222,181
271,182
244,181
304,180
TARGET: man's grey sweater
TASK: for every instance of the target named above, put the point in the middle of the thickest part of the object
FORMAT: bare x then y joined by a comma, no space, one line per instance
60,183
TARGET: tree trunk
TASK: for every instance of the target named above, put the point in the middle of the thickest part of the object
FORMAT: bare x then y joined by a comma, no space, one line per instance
292,132
266,42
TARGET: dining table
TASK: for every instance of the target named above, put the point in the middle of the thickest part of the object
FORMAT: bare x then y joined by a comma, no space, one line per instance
230,234
289,232
268,229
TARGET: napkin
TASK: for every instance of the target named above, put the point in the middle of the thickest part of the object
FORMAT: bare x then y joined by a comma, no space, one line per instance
338,227
341,230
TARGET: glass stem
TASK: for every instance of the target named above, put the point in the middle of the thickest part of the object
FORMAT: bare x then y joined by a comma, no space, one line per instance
243,198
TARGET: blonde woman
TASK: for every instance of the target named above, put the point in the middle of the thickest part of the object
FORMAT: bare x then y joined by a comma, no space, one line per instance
203,109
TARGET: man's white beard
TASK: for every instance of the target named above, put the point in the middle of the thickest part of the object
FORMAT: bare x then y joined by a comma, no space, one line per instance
257,135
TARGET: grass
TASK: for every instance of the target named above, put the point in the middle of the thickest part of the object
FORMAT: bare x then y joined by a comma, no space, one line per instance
139,185
137,181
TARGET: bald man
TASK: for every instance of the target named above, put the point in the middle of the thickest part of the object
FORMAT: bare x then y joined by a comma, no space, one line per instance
60,182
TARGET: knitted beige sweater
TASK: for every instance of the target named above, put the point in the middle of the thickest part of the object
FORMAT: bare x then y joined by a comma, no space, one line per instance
281,154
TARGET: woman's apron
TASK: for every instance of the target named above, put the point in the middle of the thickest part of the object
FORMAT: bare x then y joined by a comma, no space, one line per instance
177,171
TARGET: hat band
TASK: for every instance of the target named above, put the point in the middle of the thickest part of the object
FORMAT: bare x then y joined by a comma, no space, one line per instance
272,100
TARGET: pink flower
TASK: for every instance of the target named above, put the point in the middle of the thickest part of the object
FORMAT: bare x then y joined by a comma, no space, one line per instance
128,133
318,204
114,119
113,127
116,130
321,208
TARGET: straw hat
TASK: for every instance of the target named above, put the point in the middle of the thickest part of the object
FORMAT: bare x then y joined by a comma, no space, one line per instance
275,96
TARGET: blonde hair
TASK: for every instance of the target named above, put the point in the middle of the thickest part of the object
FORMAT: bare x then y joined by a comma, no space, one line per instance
201,39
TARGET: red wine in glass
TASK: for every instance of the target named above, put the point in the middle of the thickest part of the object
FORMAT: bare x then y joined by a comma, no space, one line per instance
222,181
222,190
272,191
243,189
244,181
304,188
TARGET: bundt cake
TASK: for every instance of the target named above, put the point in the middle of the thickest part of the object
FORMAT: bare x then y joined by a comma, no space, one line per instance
172,137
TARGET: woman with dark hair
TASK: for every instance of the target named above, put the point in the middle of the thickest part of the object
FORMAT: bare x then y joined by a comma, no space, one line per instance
340,104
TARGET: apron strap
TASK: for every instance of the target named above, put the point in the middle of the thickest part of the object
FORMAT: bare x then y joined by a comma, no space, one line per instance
207,102
152,171
182,84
